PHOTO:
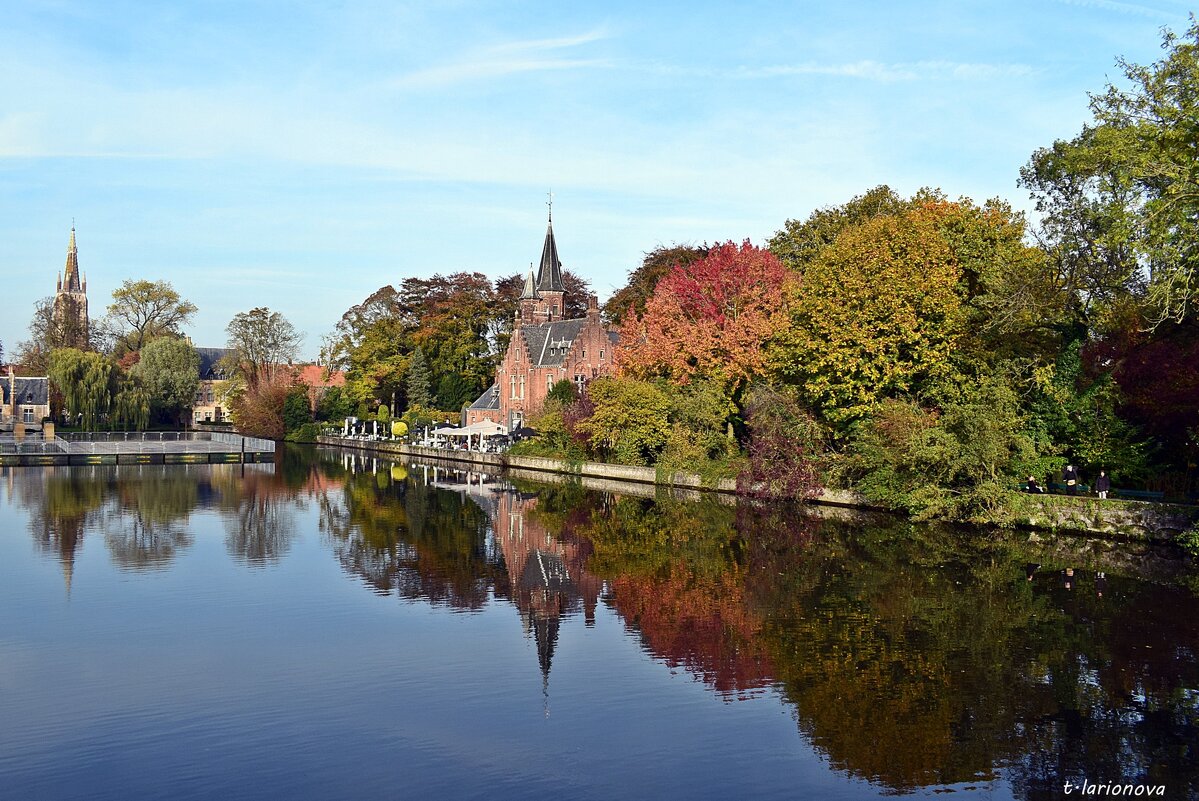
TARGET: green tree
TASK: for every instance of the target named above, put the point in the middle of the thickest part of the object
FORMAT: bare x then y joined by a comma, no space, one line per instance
143,310
1120,200
296,411
87,382
417,381
169,370
629,420
960,463
564,392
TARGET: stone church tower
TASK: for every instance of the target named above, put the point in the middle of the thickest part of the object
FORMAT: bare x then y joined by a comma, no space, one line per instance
70,301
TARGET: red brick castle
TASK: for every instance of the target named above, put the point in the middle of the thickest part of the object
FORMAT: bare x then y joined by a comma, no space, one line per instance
545,348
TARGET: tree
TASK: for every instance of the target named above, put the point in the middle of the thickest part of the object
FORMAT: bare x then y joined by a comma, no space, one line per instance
143,310
1120,200
784,445
799,243
48,331
296,411
564,392
628,420
630,299
709,319
87,382
417,381
959,463
169,370
264,343
878,314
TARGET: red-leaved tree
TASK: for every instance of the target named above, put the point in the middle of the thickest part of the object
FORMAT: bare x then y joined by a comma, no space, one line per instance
709,319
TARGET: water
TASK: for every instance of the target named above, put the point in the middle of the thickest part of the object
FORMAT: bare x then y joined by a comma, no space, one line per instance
339,627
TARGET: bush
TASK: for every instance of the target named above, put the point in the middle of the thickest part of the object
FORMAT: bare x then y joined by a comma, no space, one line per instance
308,432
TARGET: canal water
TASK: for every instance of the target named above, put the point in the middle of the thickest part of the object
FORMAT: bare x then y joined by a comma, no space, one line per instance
333,626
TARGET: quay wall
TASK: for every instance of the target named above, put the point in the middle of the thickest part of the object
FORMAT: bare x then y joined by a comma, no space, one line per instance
1132,520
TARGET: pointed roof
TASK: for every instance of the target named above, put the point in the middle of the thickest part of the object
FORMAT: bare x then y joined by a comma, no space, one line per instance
549,275
530,290
71,282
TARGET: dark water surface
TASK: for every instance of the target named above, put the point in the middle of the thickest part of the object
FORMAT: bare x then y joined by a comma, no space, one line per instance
338,627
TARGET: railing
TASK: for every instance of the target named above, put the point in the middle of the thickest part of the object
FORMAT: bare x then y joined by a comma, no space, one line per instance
134,441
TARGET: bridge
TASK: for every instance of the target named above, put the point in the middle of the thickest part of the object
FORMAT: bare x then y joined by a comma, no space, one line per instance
135,447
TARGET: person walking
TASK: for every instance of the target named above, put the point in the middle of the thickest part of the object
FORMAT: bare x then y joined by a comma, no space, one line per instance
1103,484
1033,486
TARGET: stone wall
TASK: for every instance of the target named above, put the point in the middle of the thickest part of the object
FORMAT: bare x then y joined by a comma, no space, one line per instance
1111,518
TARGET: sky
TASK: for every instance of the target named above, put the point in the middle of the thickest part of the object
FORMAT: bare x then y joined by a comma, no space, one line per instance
300,155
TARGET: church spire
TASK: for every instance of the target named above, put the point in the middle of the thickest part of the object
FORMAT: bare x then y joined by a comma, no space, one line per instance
549,275
71,281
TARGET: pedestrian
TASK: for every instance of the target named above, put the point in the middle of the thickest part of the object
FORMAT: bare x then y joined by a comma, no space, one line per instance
1070,479
1103,484
1033,486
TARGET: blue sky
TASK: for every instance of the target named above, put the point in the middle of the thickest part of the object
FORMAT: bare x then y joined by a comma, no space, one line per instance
300,155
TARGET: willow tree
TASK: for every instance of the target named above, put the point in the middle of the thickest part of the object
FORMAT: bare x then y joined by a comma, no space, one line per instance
87,381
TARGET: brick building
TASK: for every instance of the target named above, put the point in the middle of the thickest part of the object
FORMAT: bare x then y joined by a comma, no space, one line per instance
544,348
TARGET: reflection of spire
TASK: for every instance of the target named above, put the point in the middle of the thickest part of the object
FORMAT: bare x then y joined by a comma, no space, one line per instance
545,632
68,572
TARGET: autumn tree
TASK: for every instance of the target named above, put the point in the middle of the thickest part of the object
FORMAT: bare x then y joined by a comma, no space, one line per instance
800,242
143,310
630,299
709,319
264,343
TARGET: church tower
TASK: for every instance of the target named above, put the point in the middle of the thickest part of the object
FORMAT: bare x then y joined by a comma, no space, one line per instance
70,300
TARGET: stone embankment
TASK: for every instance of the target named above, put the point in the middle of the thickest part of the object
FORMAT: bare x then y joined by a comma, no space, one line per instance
1135,520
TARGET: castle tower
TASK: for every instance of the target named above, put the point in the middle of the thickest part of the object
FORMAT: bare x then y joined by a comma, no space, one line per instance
70,300
529,298
549,280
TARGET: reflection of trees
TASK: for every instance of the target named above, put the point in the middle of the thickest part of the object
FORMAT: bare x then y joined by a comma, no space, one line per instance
914,656
149,525
63,505
259,518
676,573
411,539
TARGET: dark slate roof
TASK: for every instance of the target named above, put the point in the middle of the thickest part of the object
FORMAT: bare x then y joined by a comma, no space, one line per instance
549,275
549,343
545,571
209,369
530,289
614,337
489,399
29,391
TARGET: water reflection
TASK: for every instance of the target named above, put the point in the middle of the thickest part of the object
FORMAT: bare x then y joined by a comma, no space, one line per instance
914,656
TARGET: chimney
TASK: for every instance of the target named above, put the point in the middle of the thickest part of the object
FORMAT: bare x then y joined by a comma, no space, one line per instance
592,307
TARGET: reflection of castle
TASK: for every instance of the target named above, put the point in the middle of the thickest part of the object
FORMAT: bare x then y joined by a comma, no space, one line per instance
546,576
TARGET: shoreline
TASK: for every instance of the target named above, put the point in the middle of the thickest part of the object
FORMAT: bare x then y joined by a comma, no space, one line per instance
1117,519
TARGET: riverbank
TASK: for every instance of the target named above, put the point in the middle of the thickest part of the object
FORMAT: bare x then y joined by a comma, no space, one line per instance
1132,520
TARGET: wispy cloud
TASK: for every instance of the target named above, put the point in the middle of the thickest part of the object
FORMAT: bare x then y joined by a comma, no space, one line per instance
868,70
508,58
1134,9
